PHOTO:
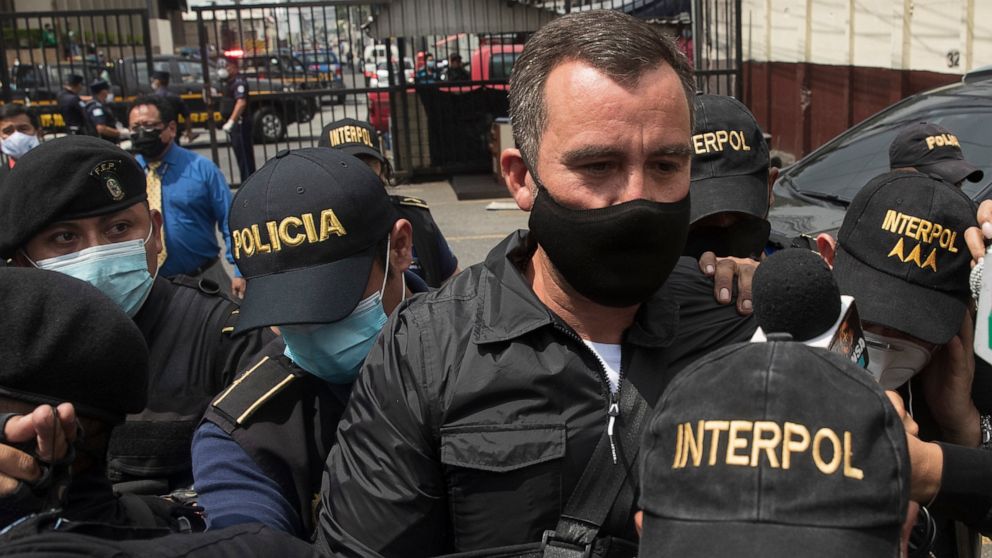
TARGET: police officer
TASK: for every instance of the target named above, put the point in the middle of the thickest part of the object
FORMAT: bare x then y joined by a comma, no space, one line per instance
432,257
160,87
78,205
71,106
239,123
100,117
71,350
260,451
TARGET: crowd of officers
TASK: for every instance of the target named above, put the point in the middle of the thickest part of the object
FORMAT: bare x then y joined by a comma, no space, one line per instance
587,390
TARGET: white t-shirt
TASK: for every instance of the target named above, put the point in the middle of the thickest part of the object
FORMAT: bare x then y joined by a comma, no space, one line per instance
609,355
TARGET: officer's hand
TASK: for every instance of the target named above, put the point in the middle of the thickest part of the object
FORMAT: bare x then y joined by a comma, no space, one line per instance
238,285
188,135
976,237
228,127
723,271
52,443
926,459
123,133
947,386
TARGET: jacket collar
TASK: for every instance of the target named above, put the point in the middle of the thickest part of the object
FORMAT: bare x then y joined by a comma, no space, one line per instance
509,307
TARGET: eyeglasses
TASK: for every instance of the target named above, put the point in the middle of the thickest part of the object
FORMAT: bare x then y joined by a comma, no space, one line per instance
148,127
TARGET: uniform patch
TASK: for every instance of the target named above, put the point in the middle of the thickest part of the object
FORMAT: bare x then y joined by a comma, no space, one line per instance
241,90
97,112
106,172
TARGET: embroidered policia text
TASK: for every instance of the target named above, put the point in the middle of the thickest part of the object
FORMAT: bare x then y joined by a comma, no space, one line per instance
926,232
291,231
749,443
719,140
941,140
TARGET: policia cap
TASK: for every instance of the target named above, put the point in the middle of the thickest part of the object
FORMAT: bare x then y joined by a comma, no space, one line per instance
62,340
73,177
729,161
774,449
353,137
902,255
932,149
304,228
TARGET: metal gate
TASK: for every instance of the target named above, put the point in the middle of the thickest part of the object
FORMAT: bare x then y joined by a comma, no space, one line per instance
39,49
310,63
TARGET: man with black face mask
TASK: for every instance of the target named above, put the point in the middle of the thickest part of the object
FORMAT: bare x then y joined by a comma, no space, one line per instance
506,408
731,181
187,188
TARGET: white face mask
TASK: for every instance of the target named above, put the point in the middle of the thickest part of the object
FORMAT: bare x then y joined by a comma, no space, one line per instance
110,97
223,73
18,144
894,361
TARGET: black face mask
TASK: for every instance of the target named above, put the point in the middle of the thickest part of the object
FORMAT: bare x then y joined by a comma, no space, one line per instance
743,239
615,256
147,142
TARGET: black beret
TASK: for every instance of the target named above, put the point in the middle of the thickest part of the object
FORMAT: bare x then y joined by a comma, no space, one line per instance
98,86
73,79
161,75
62,340
72,177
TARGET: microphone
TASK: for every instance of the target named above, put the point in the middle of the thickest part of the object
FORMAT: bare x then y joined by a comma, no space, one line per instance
795,293
981,292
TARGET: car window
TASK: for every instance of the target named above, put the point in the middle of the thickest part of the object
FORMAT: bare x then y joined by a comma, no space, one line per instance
190,72
501,64
863,152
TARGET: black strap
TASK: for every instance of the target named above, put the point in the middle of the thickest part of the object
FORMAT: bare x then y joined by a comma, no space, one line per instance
600,483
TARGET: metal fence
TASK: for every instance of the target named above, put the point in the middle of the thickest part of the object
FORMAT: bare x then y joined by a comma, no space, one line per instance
39,49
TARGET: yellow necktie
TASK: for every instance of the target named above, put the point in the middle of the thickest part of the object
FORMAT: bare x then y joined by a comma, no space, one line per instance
155,200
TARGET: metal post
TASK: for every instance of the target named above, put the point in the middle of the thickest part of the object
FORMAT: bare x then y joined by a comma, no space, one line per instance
208,97
4,70
739,71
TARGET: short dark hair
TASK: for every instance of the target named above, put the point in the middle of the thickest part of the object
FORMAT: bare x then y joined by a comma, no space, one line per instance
618,45
166,112
12,110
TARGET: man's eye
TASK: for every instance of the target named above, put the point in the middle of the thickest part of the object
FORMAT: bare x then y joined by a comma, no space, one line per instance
64,237
119,228
600,166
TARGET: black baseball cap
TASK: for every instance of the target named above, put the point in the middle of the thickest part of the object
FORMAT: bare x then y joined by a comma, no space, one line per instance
730,159
73,79
932,149
161,75
304,229
818,465
354,137
98,86
902,255
72,177
64,340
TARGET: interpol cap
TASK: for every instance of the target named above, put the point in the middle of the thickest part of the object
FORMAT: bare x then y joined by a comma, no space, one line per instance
304,229
749,454
932,149
73,79
730,159
72,177
354,137
902,254
98,86
62,340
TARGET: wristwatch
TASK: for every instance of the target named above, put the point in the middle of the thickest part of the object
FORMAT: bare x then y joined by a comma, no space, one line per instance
986,424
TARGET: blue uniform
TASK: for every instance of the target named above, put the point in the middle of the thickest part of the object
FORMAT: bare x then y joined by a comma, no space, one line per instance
195,202
241,140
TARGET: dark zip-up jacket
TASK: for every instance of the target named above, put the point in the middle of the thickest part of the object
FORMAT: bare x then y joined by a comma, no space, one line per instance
476,413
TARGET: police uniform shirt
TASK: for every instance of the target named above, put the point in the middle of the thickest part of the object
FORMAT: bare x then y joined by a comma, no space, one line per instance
192,357
237,88
433,260
71,107
98,114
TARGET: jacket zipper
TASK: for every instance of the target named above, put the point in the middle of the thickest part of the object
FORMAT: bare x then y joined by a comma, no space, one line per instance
613,399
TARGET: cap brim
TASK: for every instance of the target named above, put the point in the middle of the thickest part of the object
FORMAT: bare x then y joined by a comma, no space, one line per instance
954,170
744,194
926,314
313,295
664,538
357,150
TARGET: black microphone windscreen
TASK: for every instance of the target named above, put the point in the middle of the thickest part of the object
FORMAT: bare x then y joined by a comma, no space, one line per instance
794,292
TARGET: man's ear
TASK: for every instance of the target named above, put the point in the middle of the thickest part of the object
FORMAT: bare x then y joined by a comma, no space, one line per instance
401,245
515,174
827,247
157,222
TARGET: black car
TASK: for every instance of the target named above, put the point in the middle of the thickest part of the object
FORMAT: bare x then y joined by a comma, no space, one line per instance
812,195
271,112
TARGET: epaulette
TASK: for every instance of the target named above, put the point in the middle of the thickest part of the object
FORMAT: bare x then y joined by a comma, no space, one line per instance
252,389
231,322
413,202
202,284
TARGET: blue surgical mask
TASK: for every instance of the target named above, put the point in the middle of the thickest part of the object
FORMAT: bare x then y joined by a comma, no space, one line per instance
119,270
335,352
18,144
